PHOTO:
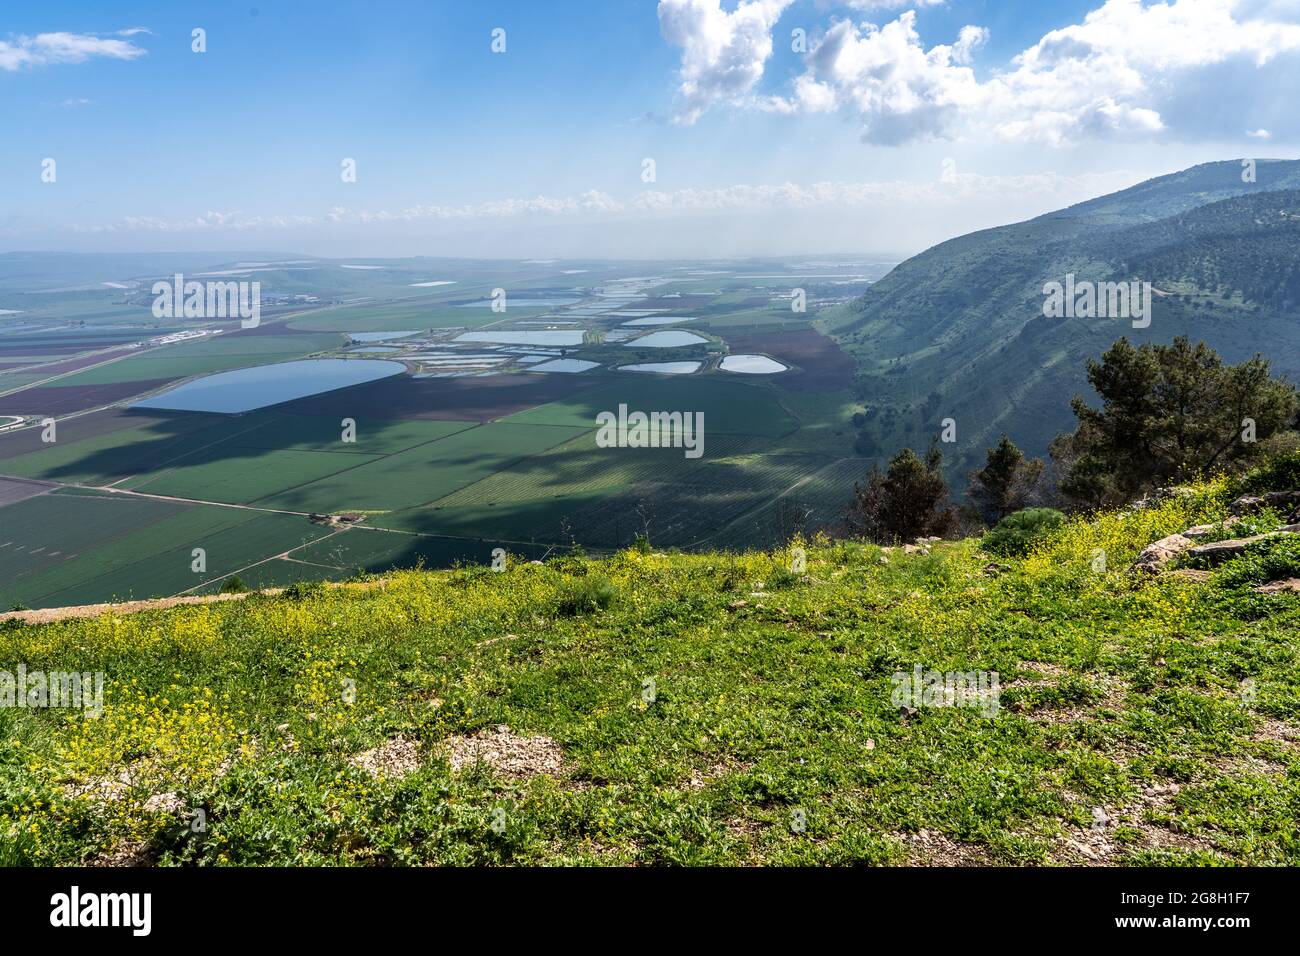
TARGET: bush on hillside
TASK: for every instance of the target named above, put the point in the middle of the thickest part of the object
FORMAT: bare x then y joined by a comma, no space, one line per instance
586,594
1008,482
906,502
1016,534
1280,474
1169,413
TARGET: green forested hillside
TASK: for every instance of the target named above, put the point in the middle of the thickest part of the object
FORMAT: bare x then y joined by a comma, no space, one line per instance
958,331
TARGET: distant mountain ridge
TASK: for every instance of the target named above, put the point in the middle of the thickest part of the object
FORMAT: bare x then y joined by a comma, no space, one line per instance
958,331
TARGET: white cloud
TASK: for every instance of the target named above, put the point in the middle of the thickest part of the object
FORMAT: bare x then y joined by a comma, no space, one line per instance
723,54
899,89
892,4
1109,75
1259,134
49,48
593,205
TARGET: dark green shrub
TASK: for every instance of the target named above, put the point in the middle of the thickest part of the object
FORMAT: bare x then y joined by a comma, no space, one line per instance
232,585
1279,474
304,590
1017,533
586,594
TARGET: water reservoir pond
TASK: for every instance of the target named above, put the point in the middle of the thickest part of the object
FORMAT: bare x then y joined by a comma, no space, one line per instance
751,365
565,365
549,337
663,368
245,389
666,340
661,320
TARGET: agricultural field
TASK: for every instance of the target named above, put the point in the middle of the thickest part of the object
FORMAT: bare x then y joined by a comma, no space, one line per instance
113,546
484,438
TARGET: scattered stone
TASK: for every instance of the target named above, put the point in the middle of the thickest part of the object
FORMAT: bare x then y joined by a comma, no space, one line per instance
1279,587
1281,500
392,759
1159,496
125,853
1083,849
1217,551
1201,530
933,848
165,803
1159,553
1191,574
507,753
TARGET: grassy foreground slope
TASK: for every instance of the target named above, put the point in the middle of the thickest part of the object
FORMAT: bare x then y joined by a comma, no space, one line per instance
682,709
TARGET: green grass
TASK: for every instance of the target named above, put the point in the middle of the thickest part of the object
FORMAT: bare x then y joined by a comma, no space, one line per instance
702,705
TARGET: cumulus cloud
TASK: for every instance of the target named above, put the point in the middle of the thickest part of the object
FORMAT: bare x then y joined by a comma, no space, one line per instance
49,48
723,53
892,4
1107,76
900,90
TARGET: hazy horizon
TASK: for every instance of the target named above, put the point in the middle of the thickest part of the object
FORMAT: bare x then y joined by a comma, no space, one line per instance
736,129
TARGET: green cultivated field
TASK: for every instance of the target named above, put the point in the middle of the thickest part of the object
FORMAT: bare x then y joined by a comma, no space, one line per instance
241,475
202,356
53,529
536,495
423,473
186,440
109,457
410,315
144,558
728,406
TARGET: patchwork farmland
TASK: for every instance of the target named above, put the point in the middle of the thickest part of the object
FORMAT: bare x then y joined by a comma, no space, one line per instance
481,442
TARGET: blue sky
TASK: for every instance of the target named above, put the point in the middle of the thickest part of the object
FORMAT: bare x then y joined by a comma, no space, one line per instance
881,138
